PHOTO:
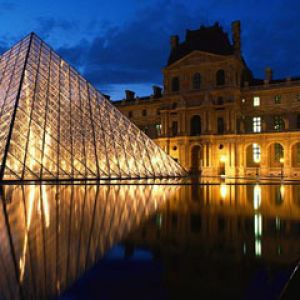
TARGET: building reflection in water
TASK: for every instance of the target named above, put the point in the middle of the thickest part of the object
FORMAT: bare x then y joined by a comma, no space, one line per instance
50,235
218,240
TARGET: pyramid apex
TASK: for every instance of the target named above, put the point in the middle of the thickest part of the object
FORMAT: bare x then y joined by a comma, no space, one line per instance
77,108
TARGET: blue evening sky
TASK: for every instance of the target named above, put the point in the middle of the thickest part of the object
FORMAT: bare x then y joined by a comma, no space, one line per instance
124,44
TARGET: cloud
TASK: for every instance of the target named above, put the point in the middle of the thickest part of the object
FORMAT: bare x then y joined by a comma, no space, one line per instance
135,52
46,25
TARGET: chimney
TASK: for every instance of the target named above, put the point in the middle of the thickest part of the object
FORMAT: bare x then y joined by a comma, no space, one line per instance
157,91
129,95
268,74
236,36
174,41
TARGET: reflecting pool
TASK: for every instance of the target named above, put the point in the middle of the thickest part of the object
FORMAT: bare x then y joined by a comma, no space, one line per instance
150,241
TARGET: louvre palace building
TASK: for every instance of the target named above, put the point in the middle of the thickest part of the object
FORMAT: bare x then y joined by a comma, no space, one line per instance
214,117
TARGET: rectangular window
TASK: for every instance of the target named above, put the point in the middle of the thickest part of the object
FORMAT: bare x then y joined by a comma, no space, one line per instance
256,121
277,99
256,153
278,123
158,129
220,125
174,128
256,101
144,112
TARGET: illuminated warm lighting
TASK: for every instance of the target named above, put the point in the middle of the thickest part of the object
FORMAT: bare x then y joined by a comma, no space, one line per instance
281,160
258,227
258,247
257,196
223,158
256,101
223,190
22,261
256,153
282,189
45,204
55,140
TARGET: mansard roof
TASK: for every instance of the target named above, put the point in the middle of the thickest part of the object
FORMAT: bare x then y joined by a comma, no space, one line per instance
210,39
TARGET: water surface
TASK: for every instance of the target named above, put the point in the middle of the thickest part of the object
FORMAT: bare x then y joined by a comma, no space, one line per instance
148,241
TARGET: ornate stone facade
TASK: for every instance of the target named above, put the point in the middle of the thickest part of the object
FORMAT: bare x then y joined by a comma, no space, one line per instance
214,117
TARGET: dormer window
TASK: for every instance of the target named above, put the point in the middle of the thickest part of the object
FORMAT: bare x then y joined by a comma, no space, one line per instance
175,84
196,81
220,77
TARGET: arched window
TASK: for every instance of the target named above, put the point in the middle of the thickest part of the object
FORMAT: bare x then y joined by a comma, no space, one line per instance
196,159
276,155
278,152
175,84
220,77
195,125
296,155
196,81
253,155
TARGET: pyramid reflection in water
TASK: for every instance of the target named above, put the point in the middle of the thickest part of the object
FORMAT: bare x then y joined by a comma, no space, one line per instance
56,125
50,235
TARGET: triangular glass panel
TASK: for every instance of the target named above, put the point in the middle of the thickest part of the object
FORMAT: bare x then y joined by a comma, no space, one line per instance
55,125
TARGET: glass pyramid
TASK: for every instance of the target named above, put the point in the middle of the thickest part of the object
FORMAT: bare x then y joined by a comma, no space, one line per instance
55,125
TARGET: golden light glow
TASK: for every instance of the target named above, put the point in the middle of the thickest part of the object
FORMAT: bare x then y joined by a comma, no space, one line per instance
256,160
282,189
223,190
52,134
22,261
281,160
223,158
257,196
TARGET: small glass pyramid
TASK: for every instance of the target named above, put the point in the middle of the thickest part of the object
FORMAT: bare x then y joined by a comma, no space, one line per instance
55,125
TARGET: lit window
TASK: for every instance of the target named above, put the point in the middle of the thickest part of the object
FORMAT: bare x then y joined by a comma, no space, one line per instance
256,101
158,129
278,152
257,197
258,225
243,100
257,247
278,123
256,121
277,99
256,153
